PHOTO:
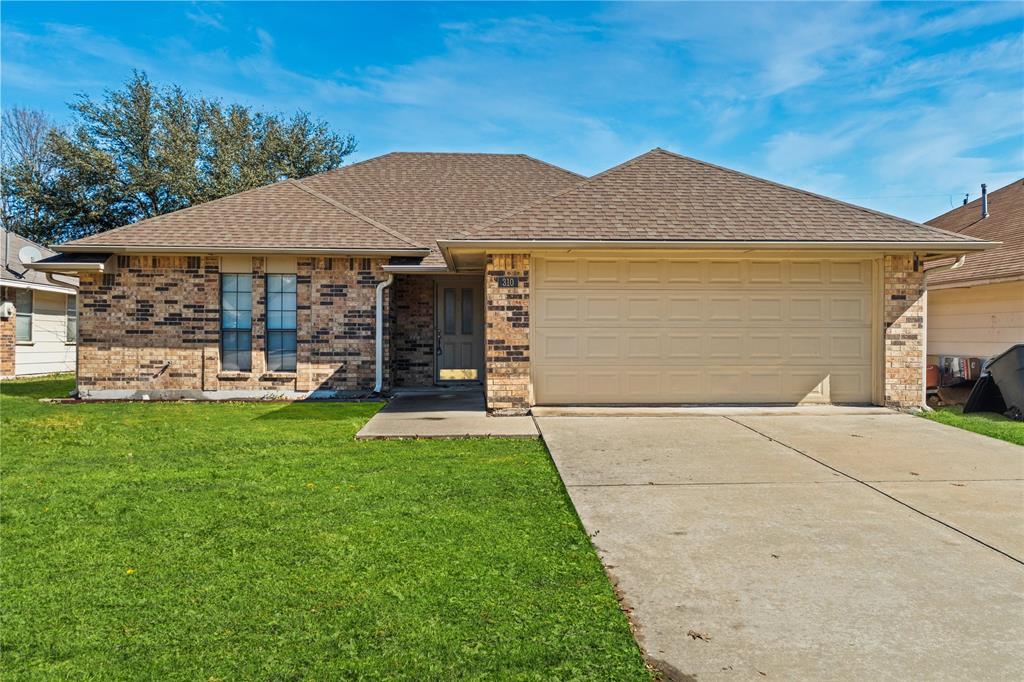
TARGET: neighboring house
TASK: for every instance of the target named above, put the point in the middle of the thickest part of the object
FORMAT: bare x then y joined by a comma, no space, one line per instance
38,326
662,280
977,309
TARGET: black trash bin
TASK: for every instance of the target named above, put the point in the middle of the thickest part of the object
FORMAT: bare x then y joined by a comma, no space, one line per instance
1001,382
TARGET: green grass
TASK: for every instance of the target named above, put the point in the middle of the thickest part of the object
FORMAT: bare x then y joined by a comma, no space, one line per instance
986,423
260,541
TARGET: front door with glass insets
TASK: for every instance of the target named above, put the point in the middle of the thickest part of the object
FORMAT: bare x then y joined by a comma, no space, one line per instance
459,330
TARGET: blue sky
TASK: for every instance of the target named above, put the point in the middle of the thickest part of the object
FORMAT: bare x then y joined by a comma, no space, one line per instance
900,107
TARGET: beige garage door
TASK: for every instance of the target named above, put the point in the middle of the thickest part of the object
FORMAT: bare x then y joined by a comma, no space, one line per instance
675,330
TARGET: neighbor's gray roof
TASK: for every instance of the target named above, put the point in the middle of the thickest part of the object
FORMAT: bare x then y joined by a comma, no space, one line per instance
1005,223
662,196
16,272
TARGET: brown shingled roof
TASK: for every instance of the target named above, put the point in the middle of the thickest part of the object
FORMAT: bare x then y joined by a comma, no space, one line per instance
430,196
662,196
1005,223
285,215
396,201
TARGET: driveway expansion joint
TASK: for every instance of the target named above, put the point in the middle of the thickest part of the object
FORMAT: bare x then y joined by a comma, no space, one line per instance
867,484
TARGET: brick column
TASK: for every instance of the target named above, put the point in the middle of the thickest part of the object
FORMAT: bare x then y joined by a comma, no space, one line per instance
507,353
904,333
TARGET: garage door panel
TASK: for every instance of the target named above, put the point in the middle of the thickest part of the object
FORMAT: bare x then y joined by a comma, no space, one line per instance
644,271
767,272
603,271
857,272
684,272
847,308
671,346
688,330
648,308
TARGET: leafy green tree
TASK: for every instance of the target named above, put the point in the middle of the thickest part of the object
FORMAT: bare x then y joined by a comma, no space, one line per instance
141,151
25,164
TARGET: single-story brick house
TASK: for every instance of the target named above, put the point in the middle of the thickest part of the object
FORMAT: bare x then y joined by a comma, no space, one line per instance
662,280
976,307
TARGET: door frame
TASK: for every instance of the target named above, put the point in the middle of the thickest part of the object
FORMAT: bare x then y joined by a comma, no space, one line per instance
477,283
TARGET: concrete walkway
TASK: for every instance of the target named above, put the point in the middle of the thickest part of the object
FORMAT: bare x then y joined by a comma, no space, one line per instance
840,547
443,414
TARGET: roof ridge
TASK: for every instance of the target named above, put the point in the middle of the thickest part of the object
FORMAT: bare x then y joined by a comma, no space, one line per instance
551,165
811,194
585,181
337,204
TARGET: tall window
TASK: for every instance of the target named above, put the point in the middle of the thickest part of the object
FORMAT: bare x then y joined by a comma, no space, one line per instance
236,323
281,323
23,306
72,319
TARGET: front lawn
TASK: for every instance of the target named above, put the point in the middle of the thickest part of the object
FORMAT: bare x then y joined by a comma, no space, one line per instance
986,423
260,541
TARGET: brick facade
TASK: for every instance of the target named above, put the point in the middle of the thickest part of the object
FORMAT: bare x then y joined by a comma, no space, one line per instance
7,337
154,325
413,344
904,333
507,334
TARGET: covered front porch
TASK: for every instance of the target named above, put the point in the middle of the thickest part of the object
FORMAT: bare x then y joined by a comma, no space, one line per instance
437,331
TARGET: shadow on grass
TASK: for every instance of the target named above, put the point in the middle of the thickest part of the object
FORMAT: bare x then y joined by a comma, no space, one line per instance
39,387
314,411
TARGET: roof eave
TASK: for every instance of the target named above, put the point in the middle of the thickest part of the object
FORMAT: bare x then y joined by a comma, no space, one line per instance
300,251
974,282
66,288
943,247
68,267
416,269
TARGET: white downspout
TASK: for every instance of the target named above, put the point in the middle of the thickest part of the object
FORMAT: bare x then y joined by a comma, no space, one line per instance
381,286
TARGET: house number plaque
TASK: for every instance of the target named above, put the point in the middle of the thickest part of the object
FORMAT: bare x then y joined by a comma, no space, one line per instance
508,282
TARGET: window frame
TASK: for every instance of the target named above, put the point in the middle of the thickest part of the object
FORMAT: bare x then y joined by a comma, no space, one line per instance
236,333
280,331
20,313
71,318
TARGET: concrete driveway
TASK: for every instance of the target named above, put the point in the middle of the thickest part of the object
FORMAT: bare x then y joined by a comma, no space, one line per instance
846,546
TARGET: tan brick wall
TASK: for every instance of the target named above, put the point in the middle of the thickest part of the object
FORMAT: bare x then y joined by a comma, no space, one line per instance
507,335
904,333
7,337
413,343
336,320
154,325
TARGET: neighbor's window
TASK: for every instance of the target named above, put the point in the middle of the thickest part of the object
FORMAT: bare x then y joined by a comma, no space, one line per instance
72,319
236,322
281,323
23,323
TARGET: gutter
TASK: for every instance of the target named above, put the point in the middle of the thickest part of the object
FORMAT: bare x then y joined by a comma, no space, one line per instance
967,283
201,250
61,288
381,286
417,269
48,268
938,247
